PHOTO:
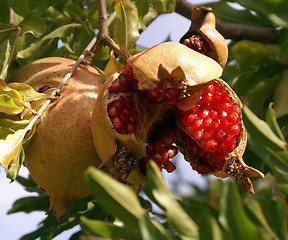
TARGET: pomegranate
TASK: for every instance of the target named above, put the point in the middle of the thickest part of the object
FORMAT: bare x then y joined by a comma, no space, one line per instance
62,147
170,98
203,37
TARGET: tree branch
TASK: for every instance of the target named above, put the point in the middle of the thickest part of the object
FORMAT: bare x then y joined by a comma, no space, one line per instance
234,31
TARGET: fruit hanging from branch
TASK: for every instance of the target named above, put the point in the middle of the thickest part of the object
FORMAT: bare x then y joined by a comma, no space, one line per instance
62,147
170,98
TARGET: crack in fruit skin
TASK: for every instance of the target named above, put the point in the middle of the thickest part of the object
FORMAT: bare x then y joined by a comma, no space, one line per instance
197,43
214,123
183,95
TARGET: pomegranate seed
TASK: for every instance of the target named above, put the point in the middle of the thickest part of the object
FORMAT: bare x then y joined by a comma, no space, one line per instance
169,166
214,123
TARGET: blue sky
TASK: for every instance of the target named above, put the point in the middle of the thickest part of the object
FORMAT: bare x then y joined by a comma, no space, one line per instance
13,226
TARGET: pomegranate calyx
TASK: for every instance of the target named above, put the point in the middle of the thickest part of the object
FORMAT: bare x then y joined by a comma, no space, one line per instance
238,170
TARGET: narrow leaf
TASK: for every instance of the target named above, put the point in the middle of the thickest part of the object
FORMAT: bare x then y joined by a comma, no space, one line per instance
176,216
261,131
234,217
278,214
272,121
30,204
152,229
106,229
109,192
60,32
8,45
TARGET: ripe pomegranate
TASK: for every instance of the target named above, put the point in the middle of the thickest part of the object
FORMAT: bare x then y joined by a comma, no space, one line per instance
170,98
203,37
62,147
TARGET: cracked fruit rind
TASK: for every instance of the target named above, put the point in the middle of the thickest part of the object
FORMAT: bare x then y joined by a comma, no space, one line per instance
62,147
203,36
138,115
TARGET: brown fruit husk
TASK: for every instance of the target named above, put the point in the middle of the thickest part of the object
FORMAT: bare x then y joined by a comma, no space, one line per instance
62,147
174,65
203,23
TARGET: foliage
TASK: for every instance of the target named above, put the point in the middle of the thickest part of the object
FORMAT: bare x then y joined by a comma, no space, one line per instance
257,72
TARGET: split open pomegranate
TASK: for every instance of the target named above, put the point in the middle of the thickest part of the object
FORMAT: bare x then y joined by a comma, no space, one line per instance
170,98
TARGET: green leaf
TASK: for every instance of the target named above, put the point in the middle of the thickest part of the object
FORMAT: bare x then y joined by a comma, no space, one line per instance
106,229
8,106
233,216
227,13
152,229
28,92
273,10
125,27
260,131
164,6
272,121
30,204
33,24
254,207
109,192
8,47
20,7
73,11
278,216
8,126
177,218
4,12
13,168
36,47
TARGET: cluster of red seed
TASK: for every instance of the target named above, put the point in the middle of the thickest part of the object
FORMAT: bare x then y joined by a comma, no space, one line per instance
163,150
123,111
214,122
124,115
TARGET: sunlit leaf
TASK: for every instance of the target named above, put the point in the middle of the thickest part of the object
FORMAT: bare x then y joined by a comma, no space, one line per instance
261,131
273,10
8,46
272,121
8,126
60,32
226,12
164,6
28,92
10,149
176,216
125,27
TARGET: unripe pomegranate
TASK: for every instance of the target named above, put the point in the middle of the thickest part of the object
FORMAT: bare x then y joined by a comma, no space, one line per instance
170,98
62,147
